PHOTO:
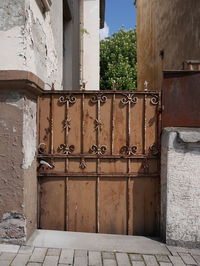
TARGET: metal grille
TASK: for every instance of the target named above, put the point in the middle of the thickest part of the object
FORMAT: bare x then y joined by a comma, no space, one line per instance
103,148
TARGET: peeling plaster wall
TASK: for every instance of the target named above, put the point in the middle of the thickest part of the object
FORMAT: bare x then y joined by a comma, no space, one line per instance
32,39
18,180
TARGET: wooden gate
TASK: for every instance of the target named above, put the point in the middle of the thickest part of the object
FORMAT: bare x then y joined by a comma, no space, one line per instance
103,147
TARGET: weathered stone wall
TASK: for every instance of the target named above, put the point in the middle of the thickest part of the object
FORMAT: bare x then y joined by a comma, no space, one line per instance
168,33
18,173
180,182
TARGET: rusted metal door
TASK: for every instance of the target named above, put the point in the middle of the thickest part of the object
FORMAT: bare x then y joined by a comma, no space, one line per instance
180,99
103,147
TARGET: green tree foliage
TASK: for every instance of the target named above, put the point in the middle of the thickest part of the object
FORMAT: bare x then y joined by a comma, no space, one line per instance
118,61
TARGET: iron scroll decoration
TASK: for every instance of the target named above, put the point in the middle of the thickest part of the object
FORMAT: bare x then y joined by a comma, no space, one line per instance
98,97
129,98
155,99
128,151
98,150
66,149
67,99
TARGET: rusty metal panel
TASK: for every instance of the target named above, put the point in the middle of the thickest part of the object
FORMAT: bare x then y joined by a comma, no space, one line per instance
180,99
99,144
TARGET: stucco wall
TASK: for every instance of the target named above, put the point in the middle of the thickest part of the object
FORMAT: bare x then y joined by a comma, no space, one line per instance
18,178
180,194
32,40
170,27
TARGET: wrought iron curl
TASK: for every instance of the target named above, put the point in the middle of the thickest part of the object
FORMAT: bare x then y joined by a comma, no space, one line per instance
98,97
128,151
154,99
42,148
98,150
83,164
66,149
129,98
64,99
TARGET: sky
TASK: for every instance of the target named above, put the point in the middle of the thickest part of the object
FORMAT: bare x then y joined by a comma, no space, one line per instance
118,13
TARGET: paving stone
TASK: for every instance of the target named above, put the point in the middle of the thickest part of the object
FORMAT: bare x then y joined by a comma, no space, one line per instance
53,252
176,261
5,262
80,258
123,259
174,250
34,264
95,258
138,263
38,255
197,258
67,256
187,258
165,264
7,256
150,260
137,257
109,262
162,258
20,260
9,248
108,255
51,261
195,251
26,250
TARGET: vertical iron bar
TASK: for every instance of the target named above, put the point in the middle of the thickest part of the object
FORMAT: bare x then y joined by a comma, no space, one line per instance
51,122
82,123
128,167
112,123
98,160
66,168
145,124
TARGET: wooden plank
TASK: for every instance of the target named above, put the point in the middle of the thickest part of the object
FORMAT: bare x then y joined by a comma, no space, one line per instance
105,128
44,125
136,124
75,125
113,166
81,204
52,203
58,129
75,165
120,135
90,115
145,206
113,206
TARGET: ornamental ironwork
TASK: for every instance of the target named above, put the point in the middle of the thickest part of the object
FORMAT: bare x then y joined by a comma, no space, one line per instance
99,97
66,149
83,164
128,150
155,99
129,98
98,150
67,99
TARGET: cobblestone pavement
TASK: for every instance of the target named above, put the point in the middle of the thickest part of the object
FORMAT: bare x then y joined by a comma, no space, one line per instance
11,255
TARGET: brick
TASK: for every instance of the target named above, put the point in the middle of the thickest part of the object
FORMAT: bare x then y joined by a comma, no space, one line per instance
53,252
95,258
26,250
138,263
174,250
109,262
67,256
80,258
20,260
9,248
195,251
176,261
51,261
187,258
38,255
108,255
150,260
123,259
5,263
136,257
162,258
